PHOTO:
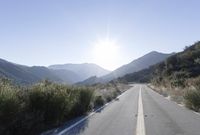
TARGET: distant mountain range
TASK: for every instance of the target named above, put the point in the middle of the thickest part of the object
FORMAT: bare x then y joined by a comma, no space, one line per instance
21,74
134,66
84,70
24,74
84,74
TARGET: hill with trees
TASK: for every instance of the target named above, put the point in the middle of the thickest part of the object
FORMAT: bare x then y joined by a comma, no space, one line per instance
178,76
136,65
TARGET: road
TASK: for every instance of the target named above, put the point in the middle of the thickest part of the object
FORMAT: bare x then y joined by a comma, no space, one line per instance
139,111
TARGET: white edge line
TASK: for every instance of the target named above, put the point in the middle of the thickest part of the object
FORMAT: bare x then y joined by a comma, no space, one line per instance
85,118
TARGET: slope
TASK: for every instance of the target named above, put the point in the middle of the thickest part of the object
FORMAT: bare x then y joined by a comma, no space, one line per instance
84,71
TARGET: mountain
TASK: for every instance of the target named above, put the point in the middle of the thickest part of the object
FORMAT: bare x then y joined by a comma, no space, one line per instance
176,71
136,65
73,73
66,75
84,71
89,81
15,72
142,76
24,74
28,75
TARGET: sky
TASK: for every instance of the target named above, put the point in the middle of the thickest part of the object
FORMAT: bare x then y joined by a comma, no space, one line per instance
109,33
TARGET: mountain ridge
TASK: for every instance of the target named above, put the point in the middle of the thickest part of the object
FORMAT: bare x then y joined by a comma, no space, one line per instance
84,70
85,73
175,71
136,65
25,75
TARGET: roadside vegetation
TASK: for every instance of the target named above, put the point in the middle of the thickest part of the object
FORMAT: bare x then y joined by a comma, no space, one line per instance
177,78
192,96
189,95
31,110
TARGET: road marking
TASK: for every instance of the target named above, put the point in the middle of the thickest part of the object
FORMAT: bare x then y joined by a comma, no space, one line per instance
140,129
85,118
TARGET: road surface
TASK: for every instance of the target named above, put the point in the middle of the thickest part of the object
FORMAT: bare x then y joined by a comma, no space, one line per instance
139,111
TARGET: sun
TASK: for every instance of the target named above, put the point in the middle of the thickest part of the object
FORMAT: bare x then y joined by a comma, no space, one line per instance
106,53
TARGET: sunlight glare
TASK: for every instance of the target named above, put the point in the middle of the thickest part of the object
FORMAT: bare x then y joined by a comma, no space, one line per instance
106,52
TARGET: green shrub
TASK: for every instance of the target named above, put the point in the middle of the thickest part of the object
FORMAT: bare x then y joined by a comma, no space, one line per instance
33,109
86,97
83,102
192,100
9,106
196,83
109,98
50,102
99,101
115,94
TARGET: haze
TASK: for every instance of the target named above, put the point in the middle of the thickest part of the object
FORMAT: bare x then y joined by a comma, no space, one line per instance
45,32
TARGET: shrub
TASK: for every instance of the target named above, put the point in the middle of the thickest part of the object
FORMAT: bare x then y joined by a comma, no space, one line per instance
196,83
99,101
108,98
83,103
9,106
115,94
192,100
49,102
85,99
32,109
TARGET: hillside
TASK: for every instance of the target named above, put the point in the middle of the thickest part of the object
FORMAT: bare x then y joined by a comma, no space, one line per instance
177,69
90,81
16,72
178,77
84,71
66,75
69,73
143,76
28,75
136,65
174,71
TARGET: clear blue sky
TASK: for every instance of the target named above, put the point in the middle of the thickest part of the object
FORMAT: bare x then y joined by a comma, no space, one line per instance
45,32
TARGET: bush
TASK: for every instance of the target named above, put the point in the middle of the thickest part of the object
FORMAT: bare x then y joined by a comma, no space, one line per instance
9,106
196,83
115,94
33,109
51,103
108,98
99,101
83,103
45,105
192,100
85,99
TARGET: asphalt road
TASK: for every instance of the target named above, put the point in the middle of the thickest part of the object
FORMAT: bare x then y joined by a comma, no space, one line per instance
139,111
